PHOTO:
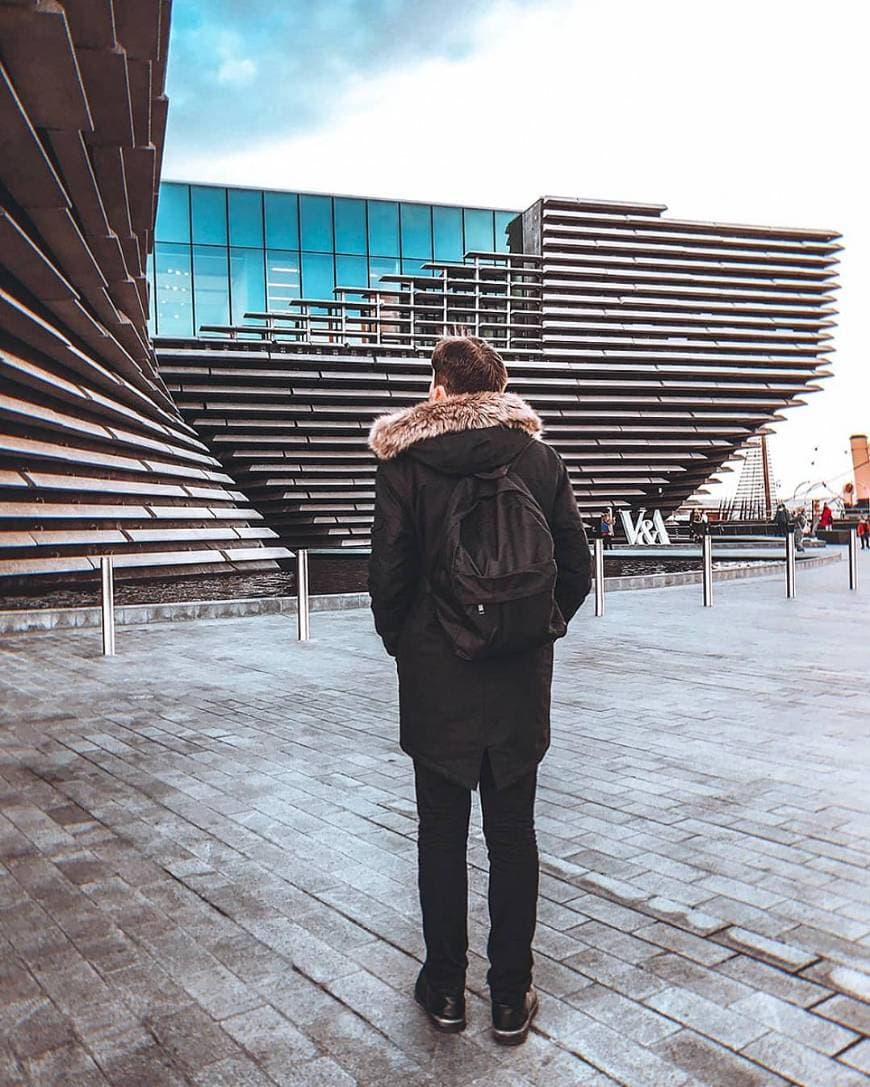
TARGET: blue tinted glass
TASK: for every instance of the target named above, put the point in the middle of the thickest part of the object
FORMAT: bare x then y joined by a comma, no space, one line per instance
415,268
173,213
383,228
478,231
382,266
448,233
351,272
248,283
316,214
502,218
174,297
282,220
317,275
416,231
350,225
282,278
246,217
209,209
211,296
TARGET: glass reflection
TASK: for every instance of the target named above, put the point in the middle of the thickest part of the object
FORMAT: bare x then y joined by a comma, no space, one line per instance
282,220
209,213
316,216
246,217
350,225
173,213
383,228
174,297
211,297
248,283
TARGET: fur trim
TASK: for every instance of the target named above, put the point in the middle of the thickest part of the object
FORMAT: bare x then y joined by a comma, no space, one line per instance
393,434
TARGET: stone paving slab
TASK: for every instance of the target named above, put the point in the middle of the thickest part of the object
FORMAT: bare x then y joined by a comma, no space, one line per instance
207,855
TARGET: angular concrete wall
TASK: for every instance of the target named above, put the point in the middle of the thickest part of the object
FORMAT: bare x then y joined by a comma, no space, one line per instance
94,456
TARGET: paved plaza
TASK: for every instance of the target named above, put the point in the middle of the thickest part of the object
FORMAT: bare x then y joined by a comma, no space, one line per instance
208,855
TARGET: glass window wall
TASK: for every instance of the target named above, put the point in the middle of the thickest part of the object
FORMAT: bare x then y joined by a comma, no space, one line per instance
448,233
211,296
478,231
209,213
248,282
283,281
246,217
350,225
351,272
174,295
317,275
173,213
416,231
282,220
316,216
383,228
502,219
383,266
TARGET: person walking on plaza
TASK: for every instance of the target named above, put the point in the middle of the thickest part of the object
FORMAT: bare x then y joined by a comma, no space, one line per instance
864,532
826,520
800,528
606,529
781,519
479,560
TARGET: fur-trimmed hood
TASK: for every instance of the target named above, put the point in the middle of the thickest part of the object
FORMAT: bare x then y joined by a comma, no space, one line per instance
393,434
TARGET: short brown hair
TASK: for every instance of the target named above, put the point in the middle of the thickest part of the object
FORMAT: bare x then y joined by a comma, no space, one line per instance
467,364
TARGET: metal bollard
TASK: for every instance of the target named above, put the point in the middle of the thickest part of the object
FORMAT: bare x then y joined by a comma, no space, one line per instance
853,559
789,565
304,630
107,605
707,570
598,548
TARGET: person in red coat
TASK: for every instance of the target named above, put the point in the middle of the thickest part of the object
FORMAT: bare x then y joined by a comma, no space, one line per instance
864,532
826,520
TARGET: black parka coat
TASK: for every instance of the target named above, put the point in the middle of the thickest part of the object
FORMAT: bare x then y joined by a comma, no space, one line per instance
453,710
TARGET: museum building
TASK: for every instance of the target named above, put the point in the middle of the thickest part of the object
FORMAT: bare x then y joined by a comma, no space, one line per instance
187,382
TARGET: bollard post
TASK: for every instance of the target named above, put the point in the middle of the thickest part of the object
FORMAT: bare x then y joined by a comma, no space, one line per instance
789,564
304,632
598,547
107,605
707,569
853,559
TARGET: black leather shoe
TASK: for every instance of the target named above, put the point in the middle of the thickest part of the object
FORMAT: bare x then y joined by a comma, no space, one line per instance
511,1022
446,1011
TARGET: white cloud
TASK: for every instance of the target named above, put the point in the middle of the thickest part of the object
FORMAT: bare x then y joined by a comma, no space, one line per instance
237,70
741,111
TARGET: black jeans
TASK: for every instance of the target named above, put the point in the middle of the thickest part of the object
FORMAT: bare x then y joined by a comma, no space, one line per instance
509,828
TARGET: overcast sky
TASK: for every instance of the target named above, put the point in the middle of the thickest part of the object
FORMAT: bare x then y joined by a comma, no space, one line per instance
750,111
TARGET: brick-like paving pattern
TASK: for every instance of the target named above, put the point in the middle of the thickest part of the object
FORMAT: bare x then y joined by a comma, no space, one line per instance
207,855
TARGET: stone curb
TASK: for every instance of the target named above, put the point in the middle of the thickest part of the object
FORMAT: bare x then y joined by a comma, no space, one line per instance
20,622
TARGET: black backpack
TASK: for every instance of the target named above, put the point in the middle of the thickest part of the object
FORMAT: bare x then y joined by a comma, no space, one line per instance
492,572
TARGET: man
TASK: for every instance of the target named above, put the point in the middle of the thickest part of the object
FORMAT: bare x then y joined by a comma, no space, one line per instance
468,718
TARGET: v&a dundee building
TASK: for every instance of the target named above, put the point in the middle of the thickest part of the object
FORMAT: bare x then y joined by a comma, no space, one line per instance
187,382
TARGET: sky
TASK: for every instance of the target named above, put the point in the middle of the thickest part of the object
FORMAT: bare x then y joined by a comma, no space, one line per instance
748,111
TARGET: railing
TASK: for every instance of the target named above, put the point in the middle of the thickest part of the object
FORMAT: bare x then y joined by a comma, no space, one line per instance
494,295
599,581
303,601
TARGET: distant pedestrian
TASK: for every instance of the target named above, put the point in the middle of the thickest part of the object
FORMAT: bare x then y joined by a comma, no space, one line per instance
800,528
606,529
694,526
826,520
780,519
864,532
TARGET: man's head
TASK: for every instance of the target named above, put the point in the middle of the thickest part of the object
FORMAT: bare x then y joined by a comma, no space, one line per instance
465,364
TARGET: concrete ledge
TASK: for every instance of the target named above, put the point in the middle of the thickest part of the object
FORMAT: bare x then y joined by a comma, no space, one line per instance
19,622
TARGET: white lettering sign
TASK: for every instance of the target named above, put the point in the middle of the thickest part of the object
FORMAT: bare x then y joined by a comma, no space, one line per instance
645,530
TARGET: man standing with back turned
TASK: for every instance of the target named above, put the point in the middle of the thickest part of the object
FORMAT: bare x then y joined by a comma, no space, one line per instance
479,560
